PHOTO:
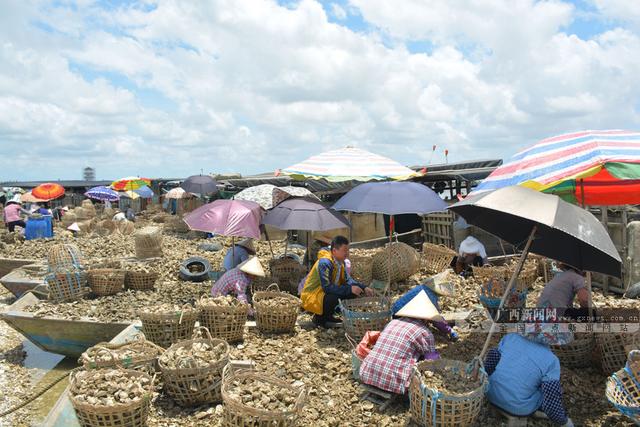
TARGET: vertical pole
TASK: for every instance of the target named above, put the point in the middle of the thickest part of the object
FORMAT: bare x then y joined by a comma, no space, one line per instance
590,301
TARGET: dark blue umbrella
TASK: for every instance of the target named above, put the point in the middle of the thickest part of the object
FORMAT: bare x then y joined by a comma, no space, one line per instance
200,184
103,194
304,214
391,198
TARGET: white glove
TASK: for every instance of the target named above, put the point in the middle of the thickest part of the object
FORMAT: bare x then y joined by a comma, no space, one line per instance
569,423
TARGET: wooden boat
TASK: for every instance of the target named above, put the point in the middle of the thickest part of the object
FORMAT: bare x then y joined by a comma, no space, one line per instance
9,264
67,337
62,414
25,278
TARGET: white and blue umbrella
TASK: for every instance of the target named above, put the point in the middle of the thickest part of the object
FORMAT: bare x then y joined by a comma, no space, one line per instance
144,192
104,194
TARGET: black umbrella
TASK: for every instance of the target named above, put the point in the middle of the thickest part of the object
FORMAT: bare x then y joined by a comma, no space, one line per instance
546,225
200,184
304,214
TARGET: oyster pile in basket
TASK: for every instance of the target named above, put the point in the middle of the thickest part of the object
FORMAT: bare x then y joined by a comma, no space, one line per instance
166,308
262,395
220,301
197,355
275,302
108,387
449,381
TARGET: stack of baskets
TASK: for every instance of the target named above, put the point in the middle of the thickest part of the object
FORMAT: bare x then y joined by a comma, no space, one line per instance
276,312
286,272
396,262
131,414
623,391
165,327
66,279
148,242
576,354
239,414
360,315
436,258
226,322
612,349
106,281
194,385
431,407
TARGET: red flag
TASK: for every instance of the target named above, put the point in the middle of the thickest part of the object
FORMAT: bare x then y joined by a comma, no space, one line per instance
392,225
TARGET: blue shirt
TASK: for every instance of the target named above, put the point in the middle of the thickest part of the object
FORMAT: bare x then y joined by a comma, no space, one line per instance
408,296
516,383
233,257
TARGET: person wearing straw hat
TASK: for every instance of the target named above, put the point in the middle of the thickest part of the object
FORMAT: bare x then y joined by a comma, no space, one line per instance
328,282
404,341
237,280
238,253
11,214
524,374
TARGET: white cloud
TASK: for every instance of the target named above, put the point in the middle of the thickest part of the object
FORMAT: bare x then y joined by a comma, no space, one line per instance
173,87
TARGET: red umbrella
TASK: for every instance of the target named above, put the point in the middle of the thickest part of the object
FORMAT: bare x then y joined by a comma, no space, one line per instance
48,191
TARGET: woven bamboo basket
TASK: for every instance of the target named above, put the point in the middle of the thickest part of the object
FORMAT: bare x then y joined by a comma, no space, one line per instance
81,214
148,242
125,228
576,354
67,285
237,414
64,256
165,329
106,281
108,213
612,349
436,258
140,280
107,263
361,268
430,407
490,295
356,361
177,225
275,320
132,414
360,315
623,391
528,275
526,279
195,386
224,322
139,354
286,272
402,263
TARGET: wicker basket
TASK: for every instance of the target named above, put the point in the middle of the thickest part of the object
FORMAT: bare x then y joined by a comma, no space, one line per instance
286,272
611,347
356,361
490,295
168,328
140,280
148,242
361,268
623,391
224,322
64,256
275,320
526,279
195,386
402,263
429,407
436,258
106,281
125,228
237,414
132,414
360,315
576,354
139,353
67,285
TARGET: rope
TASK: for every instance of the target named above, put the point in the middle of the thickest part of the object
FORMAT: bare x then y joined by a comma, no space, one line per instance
34,396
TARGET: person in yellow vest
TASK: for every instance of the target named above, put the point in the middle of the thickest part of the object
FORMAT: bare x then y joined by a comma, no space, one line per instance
328,282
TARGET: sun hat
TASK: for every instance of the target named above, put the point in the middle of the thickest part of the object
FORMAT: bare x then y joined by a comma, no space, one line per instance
247,244
74,227
420,307
252,266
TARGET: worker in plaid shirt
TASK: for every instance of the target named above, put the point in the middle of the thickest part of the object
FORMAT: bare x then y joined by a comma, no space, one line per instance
403,342
237,280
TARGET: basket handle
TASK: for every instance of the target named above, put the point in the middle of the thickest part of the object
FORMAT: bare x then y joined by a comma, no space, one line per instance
200,329
351,341
273,286
141,339
111,354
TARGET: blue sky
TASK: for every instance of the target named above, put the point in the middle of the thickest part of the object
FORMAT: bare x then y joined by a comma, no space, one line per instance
166,88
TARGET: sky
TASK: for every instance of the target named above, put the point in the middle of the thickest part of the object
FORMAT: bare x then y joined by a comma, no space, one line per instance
172,88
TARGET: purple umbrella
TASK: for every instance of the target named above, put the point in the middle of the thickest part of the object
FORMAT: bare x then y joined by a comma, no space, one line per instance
391,198
103,194
232,218
304,214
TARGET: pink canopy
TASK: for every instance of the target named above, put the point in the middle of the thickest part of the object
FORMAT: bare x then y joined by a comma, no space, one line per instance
231,218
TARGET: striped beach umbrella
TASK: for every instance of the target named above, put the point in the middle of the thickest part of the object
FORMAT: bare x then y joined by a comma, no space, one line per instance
103,194
590,167
348,164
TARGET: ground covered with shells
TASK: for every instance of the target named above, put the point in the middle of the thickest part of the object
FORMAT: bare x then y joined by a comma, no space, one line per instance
321,359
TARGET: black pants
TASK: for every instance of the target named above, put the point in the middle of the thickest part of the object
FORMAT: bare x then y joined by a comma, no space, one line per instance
330,305
12,225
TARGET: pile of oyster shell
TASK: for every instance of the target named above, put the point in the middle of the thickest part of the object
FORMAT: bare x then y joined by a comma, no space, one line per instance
108,387
261,394
197,355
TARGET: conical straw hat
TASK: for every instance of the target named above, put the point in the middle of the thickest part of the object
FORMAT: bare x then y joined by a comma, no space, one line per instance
74,227
252,266
420,307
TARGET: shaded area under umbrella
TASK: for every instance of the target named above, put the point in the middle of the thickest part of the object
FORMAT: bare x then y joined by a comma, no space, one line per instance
200,184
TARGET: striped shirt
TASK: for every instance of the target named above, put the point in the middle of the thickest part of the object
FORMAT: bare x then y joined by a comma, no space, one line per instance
233,282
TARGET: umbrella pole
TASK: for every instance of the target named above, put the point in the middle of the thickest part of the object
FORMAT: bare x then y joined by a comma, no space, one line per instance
389,252
514,276
590,303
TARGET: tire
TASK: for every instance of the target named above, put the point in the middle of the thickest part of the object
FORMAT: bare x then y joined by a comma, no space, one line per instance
201,265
